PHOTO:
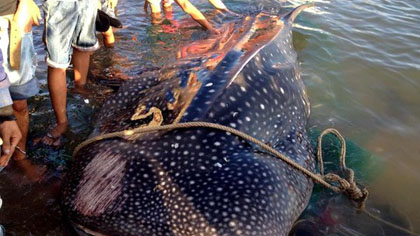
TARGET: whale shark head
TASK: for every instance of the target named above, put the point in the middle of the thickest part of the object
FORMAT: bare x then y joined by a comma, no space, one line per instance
201,181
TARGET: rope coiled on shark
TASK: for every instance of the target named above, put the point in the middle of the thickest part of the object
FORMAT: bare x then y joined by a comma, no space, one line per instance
331,181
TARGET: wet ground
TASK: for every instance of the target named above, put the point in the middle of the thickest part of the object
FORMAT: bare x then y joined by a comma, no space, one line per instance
359,61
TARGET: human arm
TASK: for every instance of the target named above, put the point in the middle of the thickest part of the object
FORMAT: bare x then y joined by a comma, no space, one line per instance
219,5
26,15
190,9
9,131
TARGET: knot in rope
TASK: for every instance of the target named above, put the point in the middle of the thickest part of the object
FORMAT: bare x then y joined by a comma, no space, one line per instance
339,184
349,188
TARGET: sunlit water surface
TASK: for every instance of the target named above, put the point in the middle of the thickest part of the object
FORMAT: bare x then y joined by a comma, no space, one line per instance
360,63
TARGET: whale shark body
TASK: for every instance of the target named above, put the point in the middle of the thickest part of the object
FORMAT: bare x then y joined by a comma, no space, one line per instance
201,181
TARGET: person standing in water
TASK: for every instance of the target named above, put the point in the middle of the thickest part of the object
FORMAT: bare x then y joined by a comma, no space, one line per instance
70,36
108,6
17,76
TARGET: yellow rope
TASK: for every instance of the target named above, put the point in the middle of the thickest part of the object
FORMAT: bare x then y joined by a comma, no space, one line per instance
345,185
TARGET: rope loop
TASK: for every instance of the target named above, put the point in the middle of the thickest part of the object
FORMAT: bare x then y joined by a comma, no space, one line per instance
345,185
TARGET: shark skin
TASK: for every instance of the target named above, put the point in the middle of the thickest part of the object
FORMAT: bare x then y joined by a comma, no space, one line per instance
201,181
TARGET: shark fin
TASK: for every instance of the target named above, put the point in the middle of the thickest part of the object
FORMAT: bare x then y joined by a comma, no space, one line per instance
290,17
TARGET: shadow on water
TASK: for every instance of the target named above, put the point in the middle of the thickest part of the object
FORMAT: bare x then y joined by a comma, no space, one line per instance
347,84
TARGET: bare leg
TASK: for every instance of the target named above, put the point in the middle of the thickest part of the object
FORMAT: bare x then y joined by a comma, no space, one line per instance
33,172
156,10
167,8
157,18
21,112
146,5
109,38
169,13
167,5
154,6
57,86
58,92
81,67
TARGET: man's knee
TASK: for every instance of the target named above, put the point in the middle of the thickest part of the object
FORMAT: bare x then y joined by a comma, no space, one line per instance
81,53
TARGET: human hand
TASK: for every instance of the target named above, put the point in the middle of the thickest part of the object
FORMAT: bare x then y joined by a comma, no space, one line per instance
27,14
215,31
10,134
231,13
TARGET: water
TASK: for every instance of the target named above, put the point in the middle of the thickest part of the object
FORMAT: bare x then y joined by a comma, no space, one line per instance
359,61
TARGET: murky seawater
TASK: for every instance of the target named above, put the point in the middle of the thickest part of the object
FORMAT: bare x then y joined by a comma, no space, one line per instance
360,63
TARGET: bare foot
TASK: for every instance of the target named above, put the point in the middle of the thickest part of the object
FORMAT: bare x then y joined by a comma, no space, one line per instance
157,18
232,13
54,136
226,12
82,90
215,31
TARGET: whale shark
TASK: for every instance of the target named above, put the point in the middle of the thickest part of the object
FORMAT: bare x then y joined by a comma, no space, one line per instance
201,181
